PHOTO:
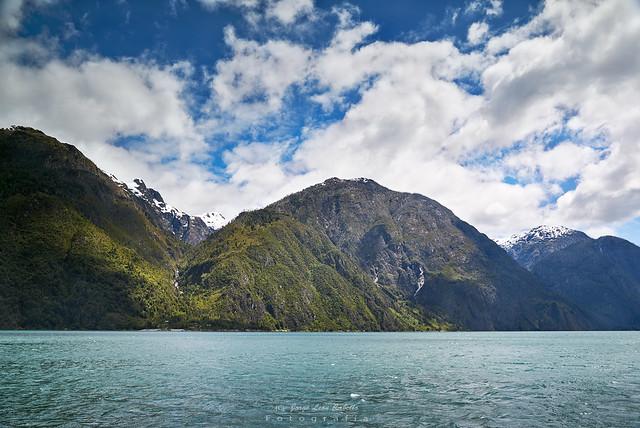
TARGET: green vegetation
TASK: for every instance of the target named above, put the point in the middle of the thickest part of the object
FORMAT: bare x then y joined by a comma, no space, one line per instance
75,251
269,271
59,270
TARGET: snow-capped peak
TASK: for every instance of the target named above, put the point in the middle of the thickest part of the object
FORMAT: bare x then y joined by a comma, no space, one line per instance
537,234
213,220
170,218
154,198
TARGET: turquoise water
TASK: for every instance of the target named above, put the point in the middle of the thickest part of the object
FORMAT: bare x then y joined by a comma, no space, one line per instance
167,379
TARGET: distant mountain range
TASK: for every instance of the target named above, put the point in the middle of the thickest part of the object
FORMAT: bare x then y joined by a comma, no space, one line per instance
600,276
82,250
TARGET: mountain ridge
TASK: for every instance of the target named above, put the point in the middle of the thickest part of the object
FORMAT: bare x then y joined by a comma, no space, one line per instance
188,228
80,250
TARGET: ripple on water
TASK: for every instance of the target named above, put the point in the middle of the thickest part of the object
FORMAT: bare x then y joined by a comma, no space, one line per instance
392,379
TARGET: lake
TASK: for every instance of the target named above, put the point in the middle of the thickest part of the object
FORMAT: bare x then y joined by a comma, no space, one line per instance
168,379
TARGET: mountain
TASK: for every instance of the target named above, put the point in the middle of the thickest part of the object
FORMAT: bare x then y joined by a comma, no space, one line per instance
76,250
530,247
599,276
267,270
79,250
190,229
369,248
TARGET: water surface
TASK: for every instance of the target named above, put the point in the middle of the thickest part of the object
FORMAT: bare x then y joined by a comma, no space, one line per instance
162,379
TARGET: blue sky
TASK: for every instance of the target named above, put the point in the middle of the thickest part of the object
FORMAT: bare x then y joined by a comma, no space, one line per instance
512,114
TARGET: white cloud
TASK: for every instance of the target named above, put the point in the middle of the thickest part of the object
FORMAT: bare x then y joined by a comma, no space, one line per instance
412,127
491,8
563,161
574,66
10,14
287,11
416,129
494,8
609,191
97,99
212,4
478,31
254,81
12,11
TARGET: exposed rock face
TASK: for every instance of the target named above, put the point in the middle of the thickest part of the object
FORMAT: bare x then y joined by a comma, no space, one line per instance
190,229
267,270
187,228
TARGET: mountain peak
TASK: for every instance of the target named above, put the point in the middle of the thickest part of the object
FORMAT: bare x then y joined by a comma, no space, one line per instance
190,229
539,233
339,181
154,197
351,180
414,248
530,247
139,184
550,232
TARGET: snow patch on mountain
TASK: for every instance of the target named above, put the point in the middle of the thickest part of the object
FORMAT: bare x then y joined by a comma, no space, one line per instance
154,198
191,229
533,246
537,234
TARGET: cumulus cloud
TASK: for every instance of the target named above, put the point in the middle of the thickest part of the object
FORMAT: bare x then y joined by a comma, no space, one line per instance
609,191
254,81
285,12
97,99
416,128
478,31
559,163
575,67
487,7
555,105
